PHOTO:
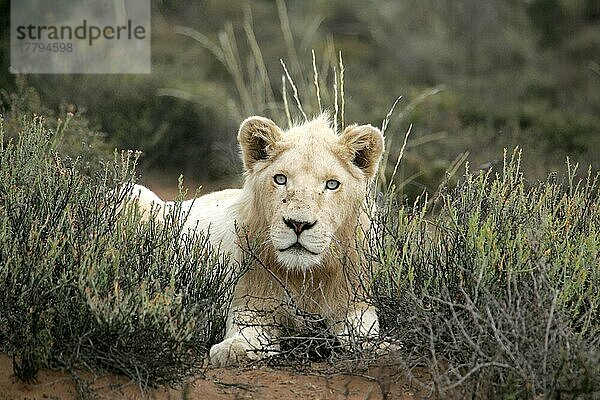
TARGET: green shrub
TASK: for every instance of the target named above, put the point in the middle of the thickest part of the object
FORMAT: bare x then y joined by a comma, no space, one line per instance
84,284
496,290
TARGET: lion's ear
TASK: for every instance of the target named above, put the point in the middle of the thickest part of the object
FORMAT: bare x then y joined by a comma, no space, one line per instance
257,137
363,146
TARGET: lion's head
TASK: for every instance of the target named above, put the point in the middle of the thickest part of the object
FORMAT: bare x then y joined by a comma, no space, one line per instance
307,184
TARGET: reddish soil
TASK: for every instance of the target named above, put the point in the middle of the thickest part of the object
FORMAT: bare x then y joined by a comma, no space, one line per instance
217,384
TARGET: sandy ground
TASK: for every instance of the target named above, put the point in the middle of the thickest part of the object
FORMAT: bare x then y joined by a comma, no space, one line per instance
217,384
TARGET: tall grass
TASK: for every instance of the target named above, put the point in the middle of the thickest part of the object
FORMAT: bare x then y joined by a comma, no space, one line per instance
311,84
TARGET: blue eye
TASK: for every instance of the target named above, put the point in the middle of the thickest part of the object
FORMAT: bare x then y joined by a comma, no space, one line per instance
332,184
280,179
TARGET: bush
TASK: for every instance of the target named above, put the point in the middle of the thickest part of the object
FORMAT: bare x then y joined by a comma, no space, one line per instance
496,290
84,284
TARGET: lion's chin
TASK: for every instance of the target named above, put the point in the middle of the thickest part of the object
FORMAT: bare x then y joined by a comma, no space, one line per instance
298,259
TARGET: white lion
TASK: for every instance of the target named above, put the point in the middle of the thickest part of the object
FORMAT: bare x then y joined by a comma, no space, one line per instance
303,202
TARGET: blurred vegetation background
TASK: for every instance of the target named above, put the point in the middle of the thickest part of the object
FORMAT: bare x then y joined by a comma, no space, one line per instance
476,77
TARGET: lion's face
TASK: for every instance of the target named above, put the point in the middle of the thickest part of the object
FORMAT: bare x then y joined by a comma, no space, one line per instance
308,184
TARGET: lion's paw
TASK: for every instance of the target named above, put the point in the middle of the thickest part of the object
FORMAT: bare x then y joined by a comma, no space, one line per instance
388,347
233,351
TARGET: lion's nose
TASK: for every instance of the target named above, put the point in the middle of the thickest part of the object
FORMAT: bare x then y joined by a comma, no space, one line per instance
299,226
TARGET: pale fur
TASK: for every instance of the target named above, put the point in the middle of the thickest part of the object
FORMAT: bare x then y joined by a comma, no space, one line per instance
322,277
